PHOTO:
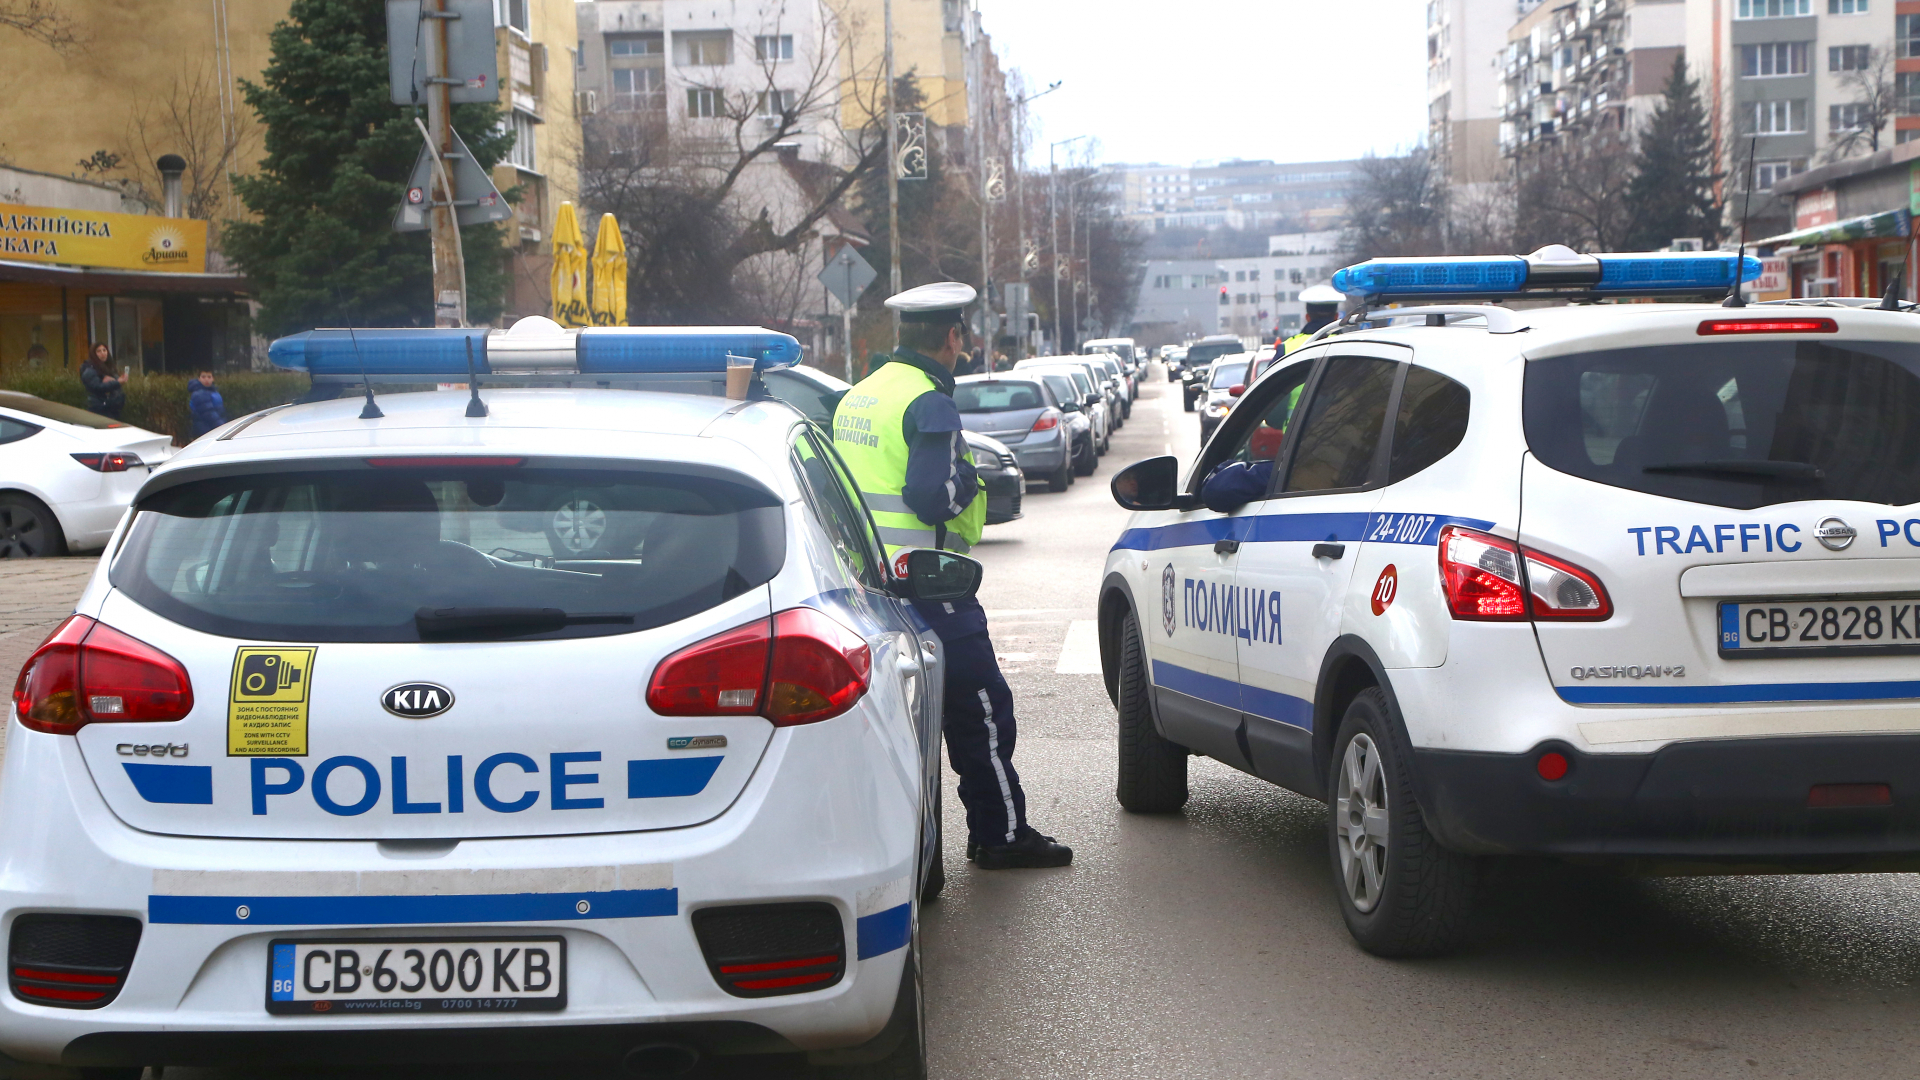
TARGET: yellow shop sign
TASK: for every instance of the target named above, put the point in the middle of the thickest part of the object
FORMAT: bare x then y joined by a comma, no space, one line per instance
97,238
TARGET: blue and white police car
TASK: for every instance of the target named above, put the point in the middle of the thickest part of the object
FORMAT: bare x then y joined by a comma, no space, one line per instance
552,721
1636,582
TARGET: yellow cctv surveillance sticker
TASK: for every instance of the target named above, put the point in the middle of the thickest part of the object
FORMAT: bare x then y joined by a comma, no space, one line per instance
267,707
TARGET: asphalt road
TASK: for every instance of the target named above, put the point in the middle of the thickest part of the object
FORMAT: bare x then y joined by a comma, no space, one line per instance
1207,943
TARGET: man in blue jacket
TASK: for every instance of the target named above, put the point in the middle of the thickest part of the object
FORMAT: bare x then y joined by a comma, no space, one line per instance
204,402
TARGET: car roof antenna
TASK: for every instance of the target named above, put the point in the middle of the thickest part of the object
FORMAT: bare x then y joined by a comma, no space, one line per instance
475,407
1734,299
1891,301
372,410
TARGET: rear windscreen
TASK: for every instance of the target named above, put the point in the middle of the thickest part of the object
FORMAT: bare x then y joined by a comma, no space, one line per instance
1200,354
1225,375
1062,387
1737,424
996,396
357,555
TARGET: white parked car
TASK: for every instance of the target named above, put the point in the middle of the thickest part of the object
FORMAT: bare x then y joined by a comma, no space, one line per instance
345,752
66,475
1629,582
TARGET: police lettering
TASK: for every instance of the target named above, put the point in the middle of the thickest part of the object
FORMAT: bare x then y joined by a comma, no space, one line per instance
1892,530
1716,539
1252,615
857,430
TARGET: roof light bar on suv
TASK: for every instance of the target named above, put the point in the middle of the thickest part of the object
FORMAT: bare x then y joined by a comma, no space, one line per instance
1554,271
533,347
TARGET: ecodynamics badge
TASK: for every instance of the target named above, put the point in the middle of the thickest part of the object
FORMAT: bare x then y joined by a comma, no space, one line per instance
267,706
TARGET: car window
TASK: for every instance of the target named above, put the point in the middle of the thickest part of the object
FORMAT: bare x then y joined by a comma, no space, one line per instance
1277,402
996,396
1226,375
12,430
815,401
837,505
1737,425
352,555
1340,434
1061,387
53,410
1432,421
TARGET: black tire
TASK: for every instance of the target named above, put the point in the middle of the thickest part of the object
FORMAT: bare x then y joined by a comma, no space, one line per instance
1153,770
1085,461
907,1060
1402,894
1061,478
28,530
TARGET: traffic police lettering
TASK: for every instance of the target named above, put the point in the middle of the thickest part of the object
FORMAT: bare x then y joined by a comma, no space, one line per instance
1715,539
1252,615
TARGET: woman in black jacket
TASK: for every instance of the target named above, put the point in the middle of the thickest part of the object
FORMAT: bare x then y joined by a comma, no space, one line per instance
105,395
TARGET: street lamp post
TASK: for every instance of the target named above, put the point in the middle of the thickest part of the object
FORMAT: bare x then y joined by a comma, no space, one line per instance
893,180
1020,199
1073,218
1053,228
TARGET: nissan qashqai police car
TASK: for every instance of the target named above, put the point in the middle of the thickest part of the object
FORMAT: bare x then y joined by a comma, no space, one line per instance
1621,581
537,723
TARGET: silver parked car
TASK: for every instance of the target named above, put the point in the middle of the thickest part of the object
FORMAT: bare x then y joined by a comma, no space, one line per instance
1096,394
1017,410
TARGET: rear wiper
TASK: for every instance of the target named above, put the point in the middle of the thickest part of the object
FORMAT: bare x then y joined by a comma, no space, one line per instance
1739,468
467,621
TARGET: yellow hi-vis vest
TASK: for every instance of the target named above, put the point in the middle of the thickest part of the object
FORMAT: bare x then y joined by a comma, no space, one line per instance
867,433
1295,342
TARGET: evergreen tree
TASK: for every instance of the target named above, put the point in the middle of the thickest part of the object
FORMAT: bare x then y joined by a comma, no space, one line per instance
321,249
1671,194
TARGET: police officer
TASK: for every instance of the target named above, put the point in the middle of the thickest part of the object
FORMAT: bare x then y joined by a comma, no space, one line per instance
919,482
1323,307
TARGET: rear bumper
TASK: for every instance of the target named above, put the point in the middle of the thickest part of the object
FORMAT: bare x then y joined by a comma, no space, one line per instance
1039,457
1726,800
1004,492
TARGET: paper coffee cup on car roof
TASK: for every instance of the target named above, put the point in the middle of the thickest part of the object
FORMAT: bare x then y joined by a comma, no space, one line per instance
739,376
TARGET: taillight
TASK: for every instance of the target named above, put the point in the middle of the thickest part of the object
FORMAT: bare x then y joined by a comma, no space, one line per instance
1484,581
1047,422
89,673
109,462
798,667
1801,325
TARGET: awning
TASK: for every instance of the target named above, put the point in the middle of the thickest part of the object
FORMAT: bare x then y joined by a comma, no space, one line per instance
1866,227
123,280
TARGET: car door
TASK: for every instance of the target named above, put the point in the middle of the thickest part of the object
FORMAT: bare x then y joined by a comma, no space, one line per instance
1297,561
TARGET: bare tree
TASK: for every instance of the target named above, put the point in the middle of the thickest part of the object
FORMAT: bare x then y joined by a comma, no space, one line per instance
1574,192
1399,207
41,20
189,121
1872,102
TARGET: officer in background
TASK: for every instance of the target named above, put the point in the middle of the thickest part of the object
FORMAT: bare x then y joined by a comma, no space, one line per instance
916,473
1323,307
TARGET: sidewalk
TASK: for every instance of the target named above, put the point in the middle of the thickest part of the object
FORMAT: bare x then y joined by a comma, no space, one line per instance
35,594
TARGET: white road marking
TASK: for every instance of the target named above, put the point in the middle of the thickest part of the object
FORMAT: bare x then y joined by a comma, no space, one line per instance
1080,654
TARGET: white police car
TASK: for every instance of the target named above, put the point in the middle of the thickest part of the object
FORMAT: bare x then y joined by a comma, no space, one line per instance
1631,582
341,758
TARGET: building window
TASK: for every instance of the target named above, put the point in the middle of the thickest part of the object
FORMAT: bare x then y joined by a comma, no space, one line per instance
522,154
777,104
703,103
1773,59
1848,57
706,49
1906,93
1768,173
773,47
1906,135
1846,117
1253,275
1773,9
1240,275
511,13
1780,117
1846,7
1906,35
639,89
643,45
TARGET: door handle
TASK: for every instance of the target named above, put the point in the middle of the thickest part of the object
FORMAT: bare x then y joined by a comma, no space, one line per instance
1225,547
1329,551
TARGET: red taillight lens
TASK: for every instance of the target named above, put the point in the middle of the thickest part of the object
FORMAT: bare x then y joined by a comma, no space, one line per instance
1483,579
1047,422
796,668
89,673
819,670
445,462
108,462
1481,576
1724,327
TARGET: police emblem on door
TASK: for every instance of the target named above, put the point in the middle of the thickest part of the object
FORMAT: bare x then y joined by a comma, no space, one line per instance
1166,600
417,700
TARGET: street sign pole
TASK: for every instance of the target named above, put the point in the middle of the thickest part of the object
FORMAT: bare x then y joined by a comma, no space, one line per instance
449,261
893,179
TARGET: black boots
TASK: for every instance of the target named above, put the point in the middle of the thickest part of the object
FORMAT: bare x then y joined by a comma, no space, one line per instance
1031,852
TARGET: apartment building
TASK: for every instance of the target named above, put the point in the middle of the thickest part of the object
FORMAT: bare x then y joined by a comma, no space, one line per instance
1253,297
538,67
1465,41
932,43
1571,70
1243,195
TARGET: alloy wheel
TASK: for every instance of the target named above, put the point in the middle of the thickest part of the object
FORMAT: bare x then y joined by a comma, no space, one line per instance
22,534
1360,823
579,524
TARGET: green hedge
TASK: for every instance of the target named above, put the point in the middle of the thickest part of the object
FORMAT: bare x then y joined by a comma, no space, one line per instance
159,402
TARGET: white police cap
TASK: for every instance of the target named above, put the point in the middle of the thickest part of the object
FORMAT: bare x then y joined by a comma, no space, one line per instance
940,302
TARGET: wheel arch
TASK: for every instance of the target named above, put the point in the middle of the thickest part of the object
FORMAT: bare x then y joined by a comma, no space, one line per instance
1116,599
15,488
1349,667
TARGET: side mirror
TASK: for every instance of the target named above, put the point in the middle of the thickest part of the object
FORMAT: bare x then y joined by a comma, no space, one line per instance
938,576
1236,390
1069,406
1092,400
1153,484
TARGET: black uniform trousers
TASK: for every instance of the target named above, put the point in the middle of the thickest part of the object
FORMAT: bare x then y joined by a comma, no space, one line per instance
979,726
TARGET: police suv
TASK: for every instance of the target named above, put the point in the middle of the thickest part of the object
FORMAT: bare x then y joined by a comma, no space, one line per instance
568,722
1637,582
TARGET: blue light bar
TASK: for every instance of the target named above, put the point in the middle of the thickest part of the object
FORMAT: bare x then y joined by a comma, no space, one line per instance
1695,271
1550,271
1414,277
681,349
382,351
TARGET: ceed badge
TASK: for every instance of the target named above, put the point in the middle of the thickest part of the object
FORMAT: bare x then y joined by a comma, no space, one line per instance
417,700
697,742
267,703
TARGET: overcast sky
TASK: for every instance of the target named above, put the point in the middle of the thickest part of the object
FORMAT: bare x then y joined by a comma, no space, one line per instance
1181,81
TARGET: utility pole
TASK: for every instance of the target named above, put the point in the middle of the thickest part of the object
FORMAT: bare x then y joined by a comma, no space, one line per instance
893,180
979,112
1018,161
1053,229
449,263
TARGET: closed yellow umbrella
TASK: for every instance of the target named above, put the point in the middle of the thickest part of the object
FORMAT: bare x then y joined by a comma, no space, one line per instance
569,269
609,274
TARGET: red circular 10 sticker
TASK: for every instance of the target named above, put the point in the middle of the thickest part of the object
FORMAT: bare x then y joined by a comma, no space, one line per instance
1385,589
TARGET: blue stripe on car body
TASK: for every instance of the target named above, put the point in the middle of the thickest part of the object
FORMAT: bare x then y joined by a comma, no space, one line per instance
1271,704
188,785
1377,528
1730,695
883,931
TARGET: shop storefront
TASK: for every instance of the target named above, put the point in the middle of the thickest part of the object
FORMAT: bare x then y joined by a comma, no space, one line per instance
1853,226
137,283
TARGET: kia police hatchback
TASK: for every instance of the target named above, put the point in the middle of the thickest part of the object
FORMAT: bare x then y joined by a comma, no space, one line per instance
1633,582
350,753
